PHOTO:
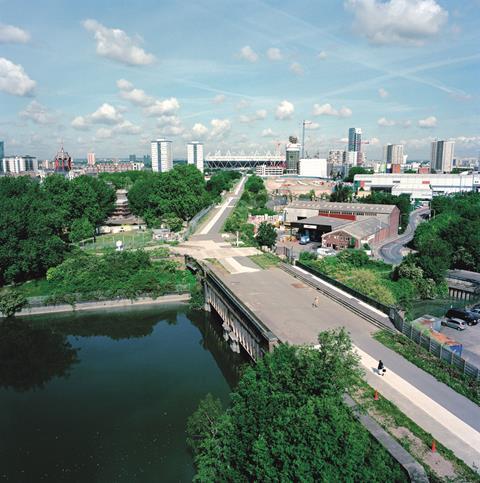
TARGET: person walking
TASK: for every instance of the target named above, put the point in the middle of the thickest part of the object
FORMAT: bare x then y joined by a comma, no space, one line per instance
381,368
315,302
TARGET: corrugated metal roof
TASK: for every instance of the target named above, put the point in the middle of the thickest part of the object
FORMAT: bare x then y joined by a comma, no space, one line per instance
323,220
362,228
331,205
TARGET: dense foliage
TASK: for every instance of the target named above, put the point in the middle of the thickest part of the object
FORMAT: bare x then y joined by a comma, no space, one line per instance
356,170
452,238
266,235
221,181
402,202
390,286
179,193
288,422
36,221
124,180
116,274
341,193
11,302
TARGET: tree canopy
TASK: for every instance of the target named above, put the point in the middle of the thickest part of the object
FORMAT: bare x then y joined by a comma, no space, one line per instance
287,422
356,170
36,219
266,235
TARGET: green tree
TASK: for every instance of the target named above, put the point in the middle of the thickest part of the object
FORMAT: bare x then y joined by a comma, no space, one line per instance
288,422
11,302
254,184
356,170
81,229
341,193
173,222
266,235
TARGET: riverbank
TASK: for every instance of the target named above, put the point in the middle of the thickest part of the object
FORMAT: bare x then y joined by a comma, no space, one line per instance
104,304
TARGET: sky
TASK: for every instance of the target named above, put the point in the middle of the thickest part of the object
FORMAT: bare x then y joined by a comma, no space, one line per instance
108,76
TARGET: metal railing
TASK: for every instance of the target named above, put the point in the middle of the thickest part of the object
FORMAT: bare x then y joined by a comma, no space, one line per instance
193,223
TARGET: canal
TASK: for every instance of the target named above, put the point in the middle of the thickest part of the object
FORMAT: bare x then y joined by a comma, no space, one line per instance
105,396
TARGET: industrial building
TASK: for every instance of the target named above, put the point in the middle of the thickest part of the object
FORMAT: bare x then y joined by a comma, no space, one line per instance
418,186
339,225
313,167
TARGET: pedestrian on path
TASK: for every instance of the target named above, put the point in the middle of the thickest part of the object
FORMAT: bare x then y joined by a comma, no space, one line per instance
315,302
381,368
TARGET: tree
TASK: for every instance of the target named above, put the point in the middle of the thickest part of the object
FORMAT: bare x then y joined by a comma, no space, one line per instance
81,229
266,235
341,193
356,170
288,422
11,302
436,261
173,222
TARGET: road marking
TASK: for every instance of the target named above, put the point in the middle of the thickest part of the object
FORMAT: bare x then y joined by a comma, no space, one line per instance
329,285
444,417
373,309
217,216
238,267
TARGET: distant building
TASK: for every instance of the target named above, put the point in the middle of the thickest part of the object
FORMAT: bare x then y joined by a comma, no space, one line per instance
18,164
147,160
62,161
393,157
162,155
267,170
442,156
419,186
91,159
114,167
335,156
313,167
2,150
132,158
292,154
195,154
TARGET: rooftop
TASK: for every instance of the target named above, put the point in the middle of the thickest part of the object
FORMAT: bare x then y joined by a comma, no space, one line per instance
362,228
333,206
322,220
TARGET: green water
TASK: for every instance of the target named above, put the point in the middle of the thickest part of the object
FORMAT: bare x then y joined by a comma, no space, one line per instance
104,397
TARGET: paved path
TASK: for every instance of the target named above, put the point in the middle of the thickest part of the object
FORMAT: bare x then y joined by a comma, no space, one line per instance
391,251
284,304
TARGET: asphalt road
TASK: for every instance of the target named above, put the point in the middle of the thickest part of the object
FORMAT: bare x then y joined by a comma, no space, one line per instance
391,252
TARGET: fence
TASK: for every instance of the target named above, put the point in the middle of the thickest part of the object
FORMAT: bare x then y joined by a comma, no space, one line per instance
434,347
193,223
438,350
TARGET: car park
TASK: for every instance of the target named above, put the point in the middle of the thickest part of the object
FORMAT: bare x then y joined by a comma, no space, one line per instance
454,323
469,317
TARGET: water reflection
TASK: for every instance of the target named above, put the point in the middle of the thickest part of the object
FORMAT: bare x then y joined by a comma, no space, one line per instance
31,356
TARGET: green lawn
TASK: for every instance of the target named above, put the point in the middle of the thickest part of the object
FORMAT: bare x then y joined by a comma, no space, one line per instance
266,260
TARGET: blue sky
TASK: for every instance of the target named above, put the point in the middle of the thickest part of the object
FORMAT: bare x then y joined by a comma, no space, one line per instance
110,76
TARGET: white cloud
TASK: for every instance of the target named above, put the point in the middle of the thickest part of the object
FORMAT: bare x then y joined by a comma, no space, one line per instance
117,45
312,126
136,96
80,123
220,128
106,114
242,104
126,127
383,121
199,130
296,68
168,121
408,22
382,93
167,106
247,53
172,130
284,110
14,80
274,54
406,124
374,141
428,122
10,34
322,55
268,133
219,99
257,116
104,133
37,113
329,110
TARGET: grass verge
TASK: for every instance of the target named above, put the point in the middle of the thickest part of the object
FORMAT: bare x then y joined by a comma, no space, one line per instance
442,371
265,260
392,419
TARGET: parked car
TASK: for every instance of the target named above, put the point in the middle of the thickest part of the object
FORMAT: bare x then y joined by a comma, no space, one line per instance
304,240
471,318
454,324
326,252
475,309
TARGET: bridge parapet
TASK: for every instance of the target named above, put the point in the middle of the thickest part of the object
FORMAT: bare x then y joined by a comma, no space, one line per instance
241,327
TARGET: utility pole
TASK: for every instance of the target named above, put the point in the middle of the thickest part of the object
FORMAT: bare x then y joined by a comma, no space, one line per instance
304,123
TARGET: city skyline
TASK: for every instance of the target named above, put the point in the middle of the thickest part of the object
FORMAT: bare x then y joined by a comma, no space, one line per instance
238,77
